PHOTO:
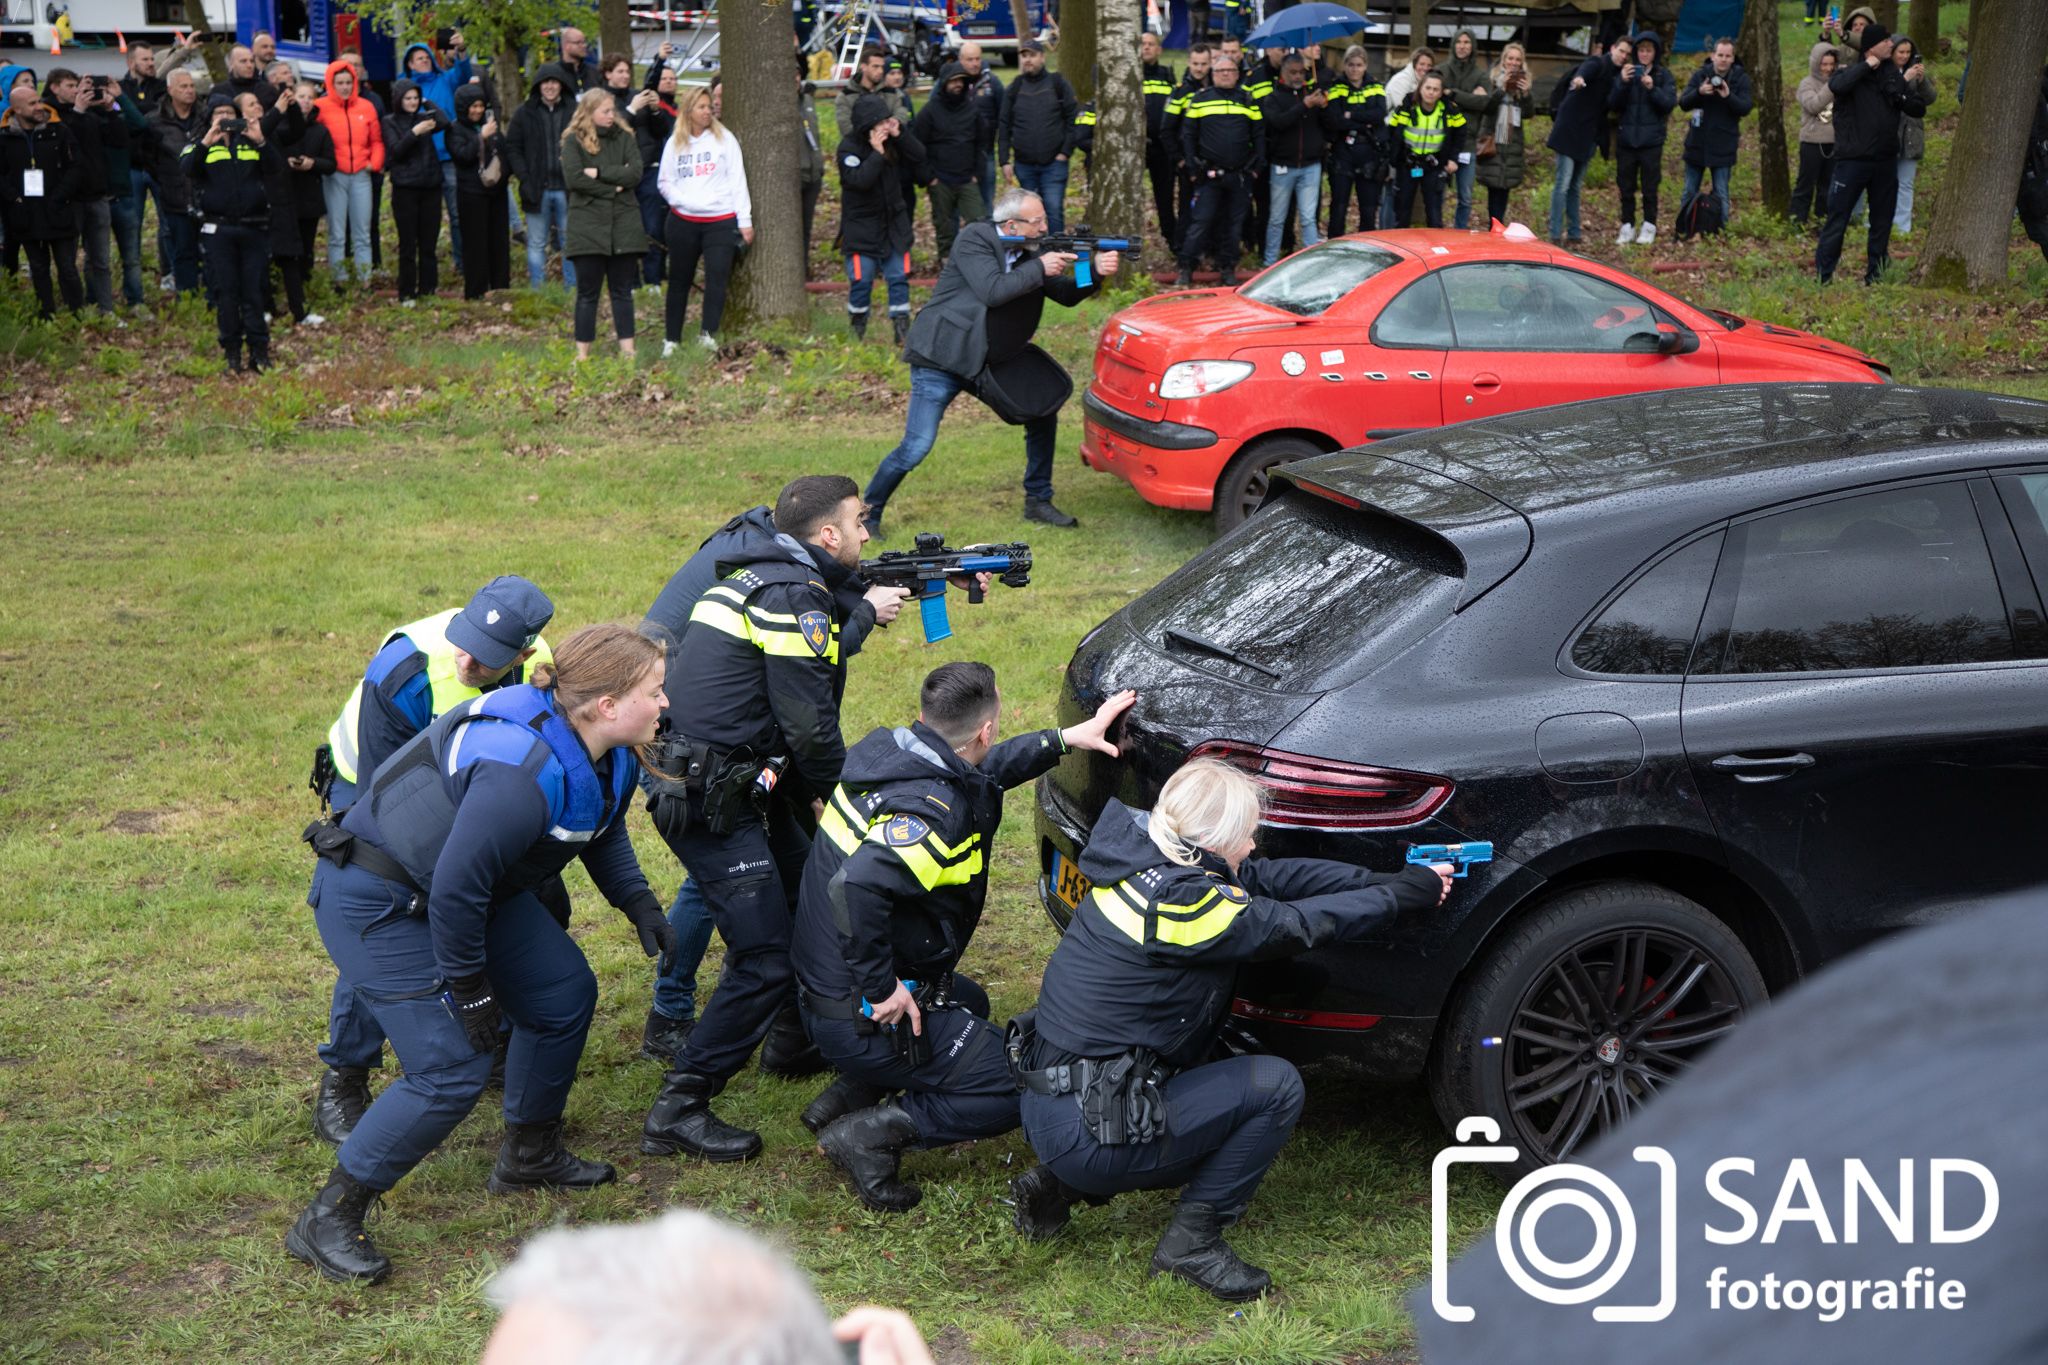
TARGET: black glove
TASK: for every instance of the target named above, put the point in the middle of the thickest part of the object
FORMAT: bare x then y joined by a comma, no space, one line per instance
469,999
657,935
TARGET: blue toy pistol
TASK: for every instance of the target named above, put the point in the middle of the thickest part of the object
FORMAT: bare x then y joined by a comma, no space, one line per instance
1464,855
924,571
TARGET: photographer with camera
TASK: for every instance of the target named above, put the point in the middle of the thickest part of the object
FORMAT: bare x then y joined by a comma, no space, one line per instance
104,120
414,169
1718,97
229,169
1871,95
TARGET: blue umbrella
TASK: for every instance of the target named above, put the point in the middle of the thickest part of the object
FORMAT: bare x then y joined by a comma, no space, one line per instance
1300,25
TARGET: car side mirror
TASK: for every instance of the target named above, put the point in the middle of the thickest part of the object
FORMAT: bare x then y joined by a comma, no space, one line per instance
1655,343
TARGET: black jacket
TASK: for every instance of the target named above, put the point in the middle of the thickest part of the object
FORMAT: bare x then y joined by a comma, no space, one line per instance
953,139
230,180
898,872
91,182
874,219
1037,126
469,150
1152,954
1294,132
51,149
980,311
410,160
533,144
172,136
1214,135
1716,130
1644,114
309,195
1867,107
1158,85
1175,113
1355,122
1575,131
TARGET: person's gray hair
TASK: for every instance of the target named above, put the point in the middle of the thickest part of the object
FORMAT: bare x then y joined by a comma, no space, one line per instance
1010,204
280,62
684,1287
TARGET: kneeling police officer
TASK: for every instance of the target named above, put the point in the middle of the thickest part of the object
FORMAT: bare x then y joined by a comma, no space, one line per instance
1116,1095
890,897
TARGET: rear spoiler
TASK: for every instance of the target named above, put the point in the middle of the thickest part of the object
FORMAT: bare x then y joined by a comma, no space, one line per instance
1489,537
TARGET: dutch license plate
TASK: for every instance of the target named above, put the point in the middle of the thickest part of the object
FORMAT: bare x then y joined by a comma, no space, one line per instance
981,30
1068,885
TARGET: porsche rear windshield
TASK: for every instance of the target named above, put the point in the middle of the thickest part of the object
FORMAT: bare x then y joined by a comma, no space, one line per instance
1303,595
1308,283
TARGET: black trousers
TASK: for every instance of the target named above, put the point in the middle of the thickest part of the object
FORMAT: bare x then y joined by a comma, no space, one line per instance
309,233
62,253
418,215
1159,170
1216,222
749,878
1497,205
1253,232
963,1091
1816,161
810,190
1430,185
1638,167
292,271
1878,179
1185,213
716,244
2032,206
486,240
1225,1124
593,275
238,268
1353,170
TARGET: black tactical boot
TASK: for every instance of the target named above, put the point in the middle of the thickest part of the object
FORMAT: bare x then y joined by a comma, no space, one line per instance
329,1235
859,323
1042,510
868,1145
841,1097
1227,276
259,359
681,1121
663,1038
1193,1248
787,1051
532,1157
900,325
344,1095
1043,1202
1185,279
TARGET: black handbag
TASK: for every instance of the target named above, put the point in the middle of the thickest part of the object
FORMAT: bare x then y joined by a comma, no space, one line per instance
1024,387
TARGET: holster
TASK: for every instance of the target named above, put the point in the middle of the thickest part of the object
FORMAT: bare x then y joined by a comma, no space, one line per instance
1122,1100
340,847
721,779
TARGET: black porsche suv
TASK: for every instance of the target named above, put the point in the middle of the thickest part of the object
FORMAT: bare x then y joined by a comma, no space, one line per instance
1734,679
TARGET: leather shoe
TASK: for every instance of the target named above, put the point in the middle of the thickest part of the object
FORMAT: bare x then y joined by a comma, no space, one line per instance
1042,510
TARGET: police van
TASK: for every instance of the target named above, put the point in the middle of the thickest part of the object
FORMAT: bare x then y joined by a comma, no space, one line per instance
993,25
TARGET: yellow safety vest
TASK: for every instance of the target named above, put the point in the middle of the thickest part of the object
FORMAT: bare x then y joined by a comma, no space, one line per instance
1423,130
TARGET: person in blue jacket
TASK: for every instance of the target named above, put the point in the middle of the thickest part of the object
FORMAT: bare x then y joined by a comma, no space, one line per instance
438,78
424,899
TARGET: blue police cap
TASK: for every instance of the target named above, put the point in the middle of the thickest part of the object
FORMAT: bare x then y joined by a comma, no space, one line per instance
506,615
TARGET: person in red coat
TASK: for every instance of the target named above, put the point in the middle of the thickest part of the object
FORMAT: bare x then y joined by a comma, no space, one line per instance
351,120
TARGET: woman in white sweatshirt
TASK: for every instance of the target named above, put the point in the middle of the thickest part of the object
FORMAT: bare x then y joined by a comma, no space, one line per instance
704,183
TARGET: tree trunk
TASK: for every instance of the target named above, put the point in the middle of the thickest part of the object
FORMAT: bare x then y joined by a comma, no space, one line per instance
1418,25
1968,240
1759,48
1077,45
761,110
1887,13
210,45
614,27
1116,168
511,82
1020,17
1923,26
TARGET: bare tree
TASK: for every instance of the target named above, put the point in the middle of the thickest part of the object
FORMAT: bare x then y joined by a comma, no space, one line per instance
761,109
1077,45
1759,48
1116,167
1923,26
211,46
1971,233
614,27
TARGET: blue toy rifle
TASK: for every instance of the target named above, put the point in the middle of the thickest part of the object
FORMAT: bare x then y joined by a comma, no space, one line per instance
1464,855
924,571
1083,243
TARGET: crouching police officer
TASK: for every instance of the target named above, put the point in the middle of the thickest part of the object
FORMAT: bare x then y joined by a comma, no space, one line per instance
424,899
422,671
893,891
1116,1097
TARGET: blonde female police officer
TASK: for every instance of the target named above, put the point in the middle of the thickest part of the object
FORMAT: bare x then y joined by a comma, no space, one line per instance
424,899
1116,1093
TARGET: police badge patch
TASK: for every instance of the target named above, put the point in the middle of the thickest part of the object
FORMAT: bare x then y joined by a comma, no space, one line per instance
904,830
816,627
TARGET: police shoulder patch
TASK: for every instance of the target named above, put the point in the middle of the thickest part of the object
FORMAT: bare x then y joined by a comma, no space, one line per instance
904,830
816,628
1234,893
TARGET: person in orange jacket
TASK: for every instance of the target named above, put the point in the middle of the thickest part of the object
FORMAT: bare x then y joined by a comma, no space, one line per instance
352,121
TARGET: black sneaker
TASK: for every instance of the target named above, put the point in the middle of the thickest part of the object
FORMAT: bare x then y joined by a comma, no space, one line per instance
1042,510
662,1039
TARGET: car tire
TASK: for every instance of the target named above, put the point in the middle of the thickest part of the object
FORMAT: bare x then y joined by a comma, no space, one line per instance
1243,484
1551,1099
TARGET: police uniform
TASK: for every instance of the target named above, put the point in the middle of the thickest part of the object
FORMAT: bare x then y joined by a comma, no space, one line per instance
1223,141
760,682
424,897
233,204
1117,1093
1419,157
1159,156
1258,81
1356,120
1170,121
893,891
1082,143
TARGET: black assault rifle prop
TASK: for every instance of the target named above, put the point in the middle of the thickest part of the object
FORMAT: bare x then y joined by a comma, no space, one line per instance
925,569
1083,242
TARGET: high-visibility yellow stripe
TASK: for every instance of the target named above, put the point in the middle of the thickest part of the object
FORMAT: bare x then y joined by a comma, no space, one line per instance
1121,917
932,863
833,825
753,626
1220,108
1192,933
720,618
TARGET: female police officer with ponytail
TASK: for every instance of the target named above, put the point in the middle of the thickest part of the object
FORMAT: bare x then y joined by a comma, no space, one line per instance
424,898
1116,1095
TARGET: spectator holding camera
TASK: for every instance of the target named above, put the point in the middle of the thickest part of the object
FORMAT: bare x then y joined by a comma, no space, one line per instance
103,119
1816,133
415,172
1871,95
1643,97
1912,128
1718,97
39,170
477,148
1502,153
653,125
229,169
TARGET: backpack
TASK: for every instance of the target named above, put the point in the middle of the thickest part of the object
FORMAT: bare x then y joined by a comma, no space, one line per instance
1699,215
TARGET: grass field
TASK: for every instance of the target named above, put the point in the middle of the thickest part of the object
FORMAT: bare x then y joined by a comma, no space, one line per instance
193,569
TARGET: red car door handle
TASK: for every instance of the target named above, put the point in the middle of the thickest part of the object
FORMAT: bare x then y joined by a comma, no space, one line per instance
1486,383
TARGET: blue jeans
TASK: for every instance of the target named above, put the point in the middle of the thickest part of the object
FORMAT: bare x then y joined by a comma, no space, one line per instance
1049,183
860,283
931,391
1466,171
128,239
1301,187
550,221
675,990
348,220
448,211
1693,176
1902,218
1564,196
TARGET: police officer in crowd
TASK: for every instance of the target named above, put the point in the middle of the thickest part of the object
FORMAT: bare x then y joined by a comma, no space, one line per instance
754,743
891,896
1159,157
1223,142
1119,1094
229,169
421,672
1193,83
424,899
1357,123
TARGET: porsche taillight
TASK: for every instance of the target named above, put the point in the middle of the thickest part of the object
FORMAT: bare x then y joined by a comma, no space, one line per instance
1307,792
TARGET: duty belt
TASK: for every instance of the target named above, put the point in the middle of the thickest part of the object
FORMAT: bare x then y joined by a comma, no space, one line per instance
344,849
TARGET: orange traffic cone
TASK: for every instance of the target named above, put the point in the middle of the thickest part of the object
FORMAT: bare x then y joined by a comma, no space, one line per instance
121,40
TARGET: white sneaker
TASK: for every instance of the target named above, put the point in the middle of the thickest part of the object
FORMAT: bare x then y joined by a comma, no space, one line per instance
409,303
314,320
1626,236
707,341
266,319
1647,235
167,284
668,348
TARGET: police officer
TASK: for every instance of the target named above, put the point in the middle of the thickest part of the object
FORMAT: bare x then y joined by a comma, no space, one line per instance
1223,141
422,671
1159,157
1190,85
228,168
674,1011
424,899
892,893
1117,1095
754,735
1356,121
1422,153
